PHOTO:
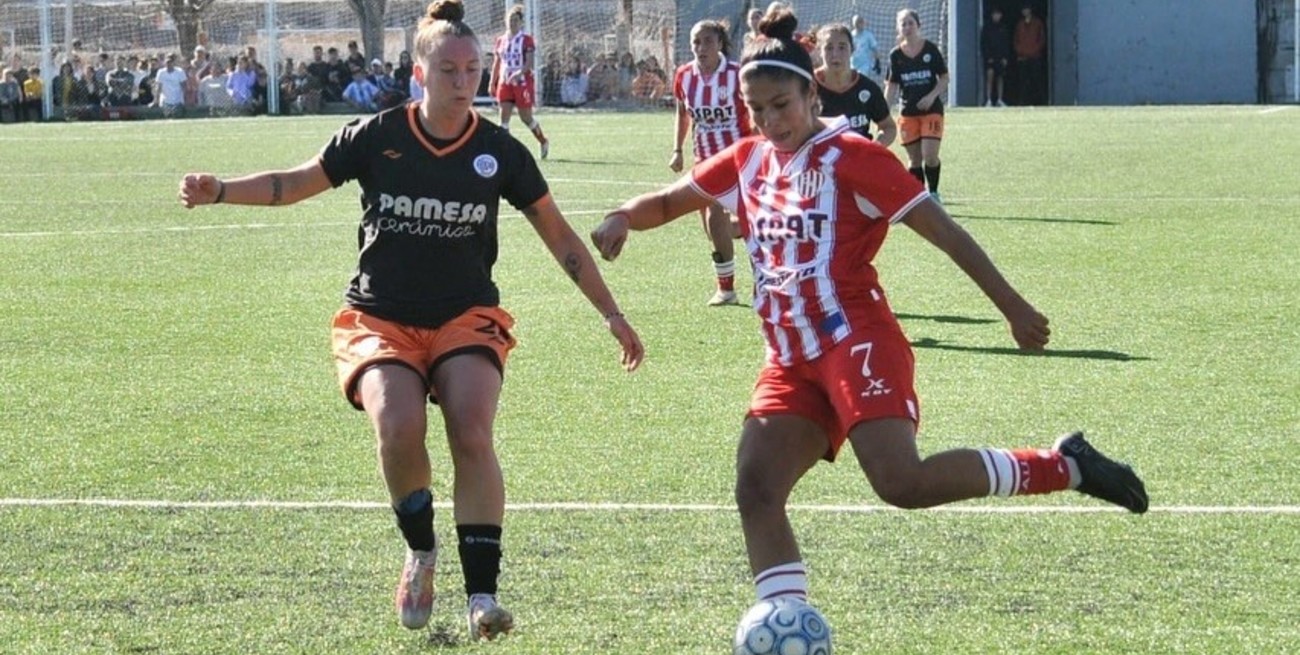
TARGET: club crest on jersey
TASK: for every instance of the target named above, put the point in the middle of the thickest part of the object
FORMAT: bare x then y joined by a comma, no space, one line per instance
809,183
864,95
485,165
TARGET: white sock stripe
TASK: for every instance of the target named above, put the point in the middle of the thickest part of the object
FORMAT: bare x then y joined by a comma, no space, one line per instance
725,269
990,470
1004,474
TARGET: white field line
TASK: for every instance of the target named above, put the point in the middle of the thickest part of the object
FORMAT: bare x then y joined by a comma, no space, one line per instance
1274,110
626,507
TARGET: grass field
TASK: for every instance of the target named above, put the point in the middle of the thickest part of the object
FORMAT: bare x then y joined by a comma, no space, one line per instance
180,360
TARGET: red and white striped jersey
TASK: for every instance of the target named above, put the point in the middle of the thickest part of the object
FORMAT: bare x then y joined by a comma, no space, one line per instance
718,114
510,52
812,221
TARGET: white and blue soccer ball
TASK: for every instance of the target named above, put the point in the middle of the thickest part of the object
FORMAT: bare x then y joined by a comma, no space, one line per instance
782,626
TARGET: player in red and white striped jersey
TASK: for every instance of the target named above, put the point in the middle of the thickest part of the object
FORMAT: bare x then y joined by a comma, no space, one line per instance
511,82
709,104
815,201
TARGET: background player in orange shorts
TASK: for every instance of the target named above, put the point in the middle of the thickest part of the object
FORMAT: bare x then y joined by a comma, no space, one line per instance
918,71
422,316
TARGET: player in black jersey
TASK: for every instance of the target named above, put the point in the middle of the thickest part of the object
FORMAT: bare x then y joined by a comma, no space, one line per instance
917,69
845,92
421,316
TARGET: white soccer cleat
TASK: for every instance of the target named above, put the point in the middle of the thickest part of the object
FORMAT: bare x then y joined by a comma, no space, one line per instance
415,589
721,298
487,620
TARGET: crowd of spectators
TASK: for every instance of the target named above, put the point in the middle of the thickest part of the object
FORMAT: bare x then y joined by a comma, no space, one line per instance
90,86
104,85
607,79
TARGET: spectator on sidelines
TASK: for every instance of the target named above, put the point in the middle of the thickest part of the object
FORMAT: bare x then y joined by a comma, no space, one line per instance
627,71
213,93
362,94
338,78
602,79
86,92
137,75
1030,44
866,50
121,85
319,69
63,85
144,94
241,83
573,87
751,22
170,81
33,90
101,70
307,88
404,70
355,59
995,50
201,64
647,88
261,83
11,95
381,75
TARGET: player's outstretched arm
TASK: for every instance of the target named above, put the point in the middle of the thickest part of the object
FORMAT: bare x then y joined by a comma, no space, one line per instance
931,221
265,188
646,212
573,256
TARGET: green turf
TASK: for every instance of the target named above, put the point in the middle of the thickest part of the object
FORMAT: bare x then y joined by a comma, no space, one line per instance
151,353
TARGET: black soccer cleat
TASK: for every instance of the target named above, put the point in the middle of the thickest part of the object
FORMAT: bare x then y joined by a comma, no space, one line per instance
1103,477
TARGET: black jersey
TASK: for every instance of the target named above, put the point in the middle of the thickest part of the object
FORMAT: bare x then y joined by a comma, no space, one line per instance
862,103
917,76
428,234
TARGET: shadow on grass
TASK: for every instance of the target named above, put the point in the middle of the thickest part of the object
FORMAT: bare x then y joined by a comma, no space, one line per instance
1107,355
943,318
1034,219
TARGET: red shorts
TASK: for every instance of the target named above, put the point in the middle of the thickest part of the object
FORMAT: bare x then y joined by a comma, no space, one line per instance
914,128
520,92
362,341
867,376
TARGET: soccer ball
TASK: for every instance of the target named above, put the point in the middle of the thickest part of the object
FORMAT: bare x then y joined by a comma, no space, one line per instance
782,626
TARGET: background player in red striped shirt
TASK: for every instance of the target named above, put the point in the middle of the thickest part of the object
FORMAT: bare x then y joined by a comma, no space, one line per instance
709,106
815,201
422,316
512,82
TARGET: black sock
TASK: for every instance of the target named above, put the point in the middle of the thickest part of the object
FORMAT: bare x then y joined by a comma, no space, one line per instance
917,173
415,519
932,177
480,557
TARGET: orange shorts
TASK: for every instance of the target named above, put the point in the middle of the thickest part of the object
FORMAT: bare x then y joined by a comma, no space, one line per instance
520,93
361,341
915,128
867,376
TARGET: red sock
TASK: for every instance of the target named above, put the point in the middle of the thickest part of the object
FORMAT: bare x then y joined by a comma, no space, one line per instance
1025,471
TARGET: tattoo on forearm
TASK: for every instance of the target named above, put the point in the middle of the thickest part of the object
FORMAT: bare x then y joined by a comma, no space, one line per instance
573,266
277,189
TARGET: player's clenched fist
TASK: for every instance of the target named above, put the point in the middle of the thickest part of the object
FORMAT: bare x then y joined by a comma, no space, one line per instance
199,189
610,235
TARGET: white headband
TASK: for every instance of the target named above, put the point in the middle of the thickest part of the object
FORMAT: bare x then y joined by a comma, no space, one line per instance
778,63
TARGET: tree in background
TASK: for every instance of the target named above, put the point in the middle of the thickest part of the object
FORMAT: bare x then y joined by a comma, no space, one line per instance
370,13
186,14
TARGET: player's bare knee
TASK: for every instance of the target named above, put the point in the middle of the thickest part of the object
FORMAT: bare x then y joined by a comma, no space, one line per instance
901,491
755,493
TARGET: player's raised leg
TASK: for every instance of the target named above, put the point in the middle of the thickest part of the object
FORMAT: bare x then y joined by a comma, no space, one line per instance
886,450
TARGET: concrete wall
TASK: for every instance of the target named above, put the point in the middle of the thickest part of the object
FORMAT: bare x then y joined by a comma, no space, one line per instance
1133,52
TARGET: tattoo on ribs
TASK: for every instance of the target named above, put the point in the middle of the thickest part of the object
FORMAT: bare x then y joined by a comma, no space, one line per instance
277,189
573,266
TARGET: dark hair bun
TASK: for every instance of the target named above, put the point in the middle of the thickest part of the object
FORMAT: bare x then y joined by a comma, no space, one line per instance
447,10
778,23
